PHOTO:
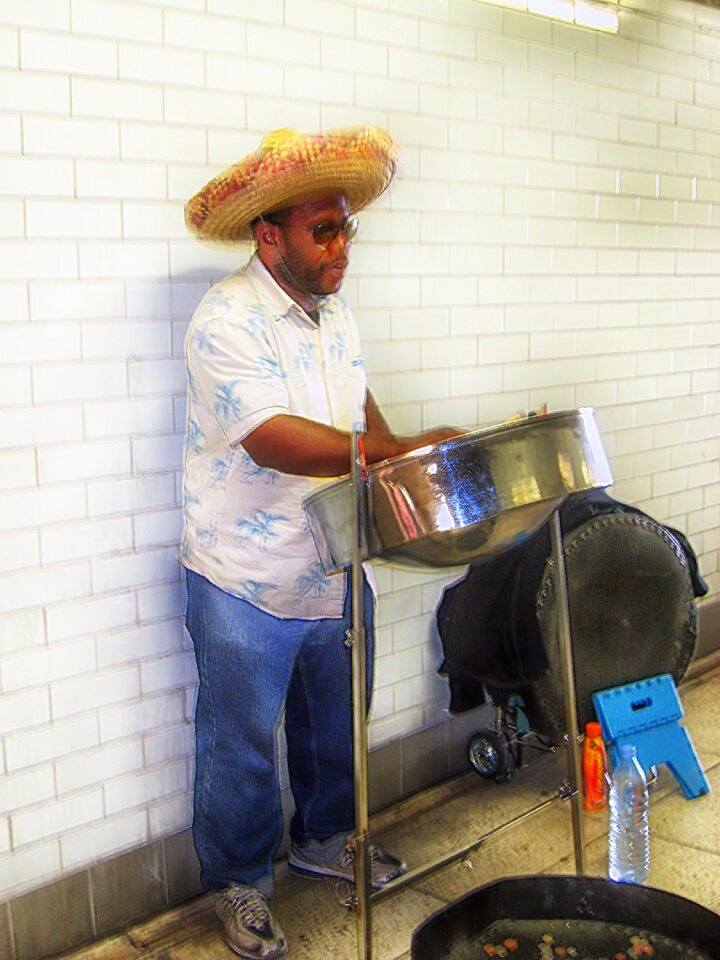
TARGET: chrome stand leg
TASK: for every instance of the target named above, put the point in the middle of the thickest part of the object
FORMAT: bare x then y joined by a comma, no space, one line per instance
569,698
361,839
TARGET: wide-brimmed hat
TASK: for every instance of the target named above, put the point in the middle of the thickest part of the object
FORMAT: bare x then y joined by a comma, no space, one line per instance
359,163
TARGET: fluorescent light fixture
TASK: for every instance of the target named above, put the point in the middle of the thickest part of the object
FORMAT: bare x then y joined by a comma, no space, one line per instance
601,16
557,9
585,13
514,4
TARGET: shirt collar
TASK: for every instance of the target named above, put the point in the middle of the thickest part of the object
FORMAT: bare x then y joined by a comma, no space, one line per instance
277,300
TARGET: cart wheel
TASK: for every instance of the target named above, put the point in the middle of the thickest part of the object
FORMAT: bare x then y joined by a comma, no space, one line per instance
488,755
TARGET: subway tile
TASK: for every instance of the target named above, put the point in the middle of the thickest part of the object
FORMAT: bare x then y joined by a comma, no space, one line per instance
445,39
149,640
71,620
118,99
246,75
52,384
22,631
152,221
39,507
300,47
88,538
128,417
121,180
44,665
33,260
47,14
35,916
67,54
148,142
182,868
12,220
47,743
269,12
381,27
9,48
19,551
106,497
268,113
83,461
44,821
164,600
18,712
172,744
77,219
168,673
134,570
93,690
96,841
425,758
128,792
15,388
129,259
93,767
127,887
111,18
387,93
164,377
202,108
36,177
34,93
153,713
72,300
202,32
171,816
29,866
342,54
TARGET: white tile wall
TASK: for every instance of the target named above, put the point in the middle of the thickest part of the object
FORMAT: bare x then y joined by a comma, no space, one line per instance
554,235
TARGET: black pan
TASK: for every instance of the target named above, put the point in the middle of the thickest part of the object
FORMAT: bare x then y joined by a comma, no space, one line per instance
455,930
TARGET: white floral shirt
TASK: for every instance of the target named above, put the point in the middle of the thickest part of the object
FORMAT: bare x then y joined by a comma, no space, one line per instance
253,353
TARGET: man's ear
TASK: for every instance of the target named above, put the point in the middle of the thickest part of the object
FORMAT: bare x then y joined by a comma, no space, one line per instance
267,234
263,232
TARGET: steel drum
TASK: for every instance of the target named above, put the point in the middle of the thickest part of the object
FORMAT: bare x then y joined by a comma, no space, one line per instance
449,503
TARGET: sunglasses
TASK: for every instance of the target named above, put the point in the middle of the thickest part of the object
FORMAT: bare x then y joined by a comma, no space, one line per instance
326,231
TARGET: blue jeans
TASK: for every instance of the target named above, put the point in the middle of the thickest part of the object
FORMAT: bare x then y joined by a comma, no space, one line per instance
251,665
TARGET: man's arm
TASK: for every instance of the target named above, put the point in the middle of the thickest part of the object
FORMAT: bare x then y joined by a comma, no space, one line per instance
305,447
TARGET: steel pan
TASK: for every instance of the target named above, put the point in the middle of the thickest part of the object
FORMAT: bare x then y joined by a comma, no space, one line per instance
449,503
456,932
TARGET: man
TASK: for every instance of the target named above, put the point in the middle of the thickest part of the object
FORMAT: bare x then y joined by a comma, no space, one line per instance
276,385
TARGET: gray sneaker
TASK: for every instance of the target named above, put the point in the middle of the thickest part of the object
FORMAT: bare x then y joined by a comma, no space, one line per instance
384,867
250,929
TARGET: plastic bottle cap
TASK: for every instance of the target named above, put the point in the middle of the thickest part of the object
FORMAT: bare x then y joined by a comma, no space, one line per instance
593,729
628,750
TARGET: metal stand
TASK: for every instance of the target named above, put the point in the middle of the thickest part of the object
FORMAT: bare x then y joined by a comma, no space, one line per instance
569,698
361,839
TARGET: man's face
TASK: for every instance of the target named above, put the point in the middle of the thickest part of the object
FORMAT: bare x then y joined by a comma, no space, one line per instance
314,268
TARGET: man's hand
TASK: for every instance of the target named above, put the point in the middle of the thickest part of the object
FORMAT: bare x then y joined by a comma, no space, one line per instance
307,448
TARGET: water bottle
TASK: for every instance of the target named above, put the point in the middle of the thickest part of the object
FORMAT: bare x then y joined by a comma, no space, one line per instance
629,838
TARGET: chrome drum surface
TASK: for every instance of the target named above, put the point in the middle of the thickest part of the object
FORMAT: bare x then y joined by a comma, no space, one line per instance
447,504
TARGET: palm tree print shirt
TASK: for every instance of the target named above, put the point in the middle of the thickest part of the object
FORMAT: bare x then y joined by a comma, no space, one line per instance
253,353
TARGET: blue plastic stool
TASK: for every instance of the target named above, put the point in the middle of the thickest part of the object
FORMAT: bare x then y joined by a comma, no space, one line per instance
648,714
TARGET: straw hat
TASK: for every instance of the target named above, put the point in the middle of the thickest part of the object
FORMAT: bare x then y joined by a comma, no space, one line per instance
360,163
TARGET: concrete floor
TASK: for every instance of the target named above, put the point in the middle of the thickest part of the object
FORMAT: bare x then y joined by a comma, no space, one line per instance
685,857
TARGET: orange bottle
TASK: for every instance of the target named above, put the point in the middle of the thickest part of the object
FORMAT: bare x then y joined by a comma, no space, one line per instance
594,765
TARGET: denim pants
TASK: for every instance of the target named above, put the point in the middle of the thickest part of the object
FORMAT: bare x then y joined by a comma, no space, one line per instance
251,665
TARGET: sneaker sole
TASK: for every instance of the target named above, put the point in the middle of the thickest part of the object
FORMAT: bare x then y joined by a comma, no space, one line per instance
255,956
318,873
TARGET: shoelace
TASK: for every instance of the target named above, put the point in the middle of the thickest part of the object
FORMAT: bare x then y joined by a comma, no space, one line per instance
375,855
250,908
